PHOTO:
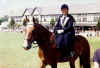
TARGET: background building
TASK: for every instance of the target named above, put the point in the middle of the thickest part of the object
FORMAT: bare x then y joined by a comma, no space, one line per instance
86,19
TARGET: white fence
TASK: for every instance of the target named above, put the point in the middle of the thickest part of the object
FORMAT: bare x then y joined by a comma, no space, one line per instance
89,33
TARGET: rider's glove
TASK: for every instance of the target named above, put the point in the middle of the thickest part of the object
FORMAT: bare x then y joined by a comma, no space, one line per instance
60,31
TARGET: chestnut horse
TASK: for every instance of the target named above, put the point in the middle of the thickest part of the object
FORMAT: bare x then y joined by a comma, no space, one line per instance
47,49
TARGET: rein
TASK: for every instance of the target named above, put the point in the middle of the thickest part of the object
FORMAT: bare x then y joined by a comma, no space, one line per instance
36,45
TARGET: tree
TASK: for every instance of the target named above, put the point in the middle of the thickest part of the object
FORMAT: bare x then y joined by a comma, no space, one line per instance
52,22
18,26
98,24
24,22
3,19
0,22
12,23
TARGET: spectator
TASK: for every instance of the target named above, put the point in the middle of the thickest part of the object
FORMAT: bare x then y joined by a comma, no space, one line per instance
96,58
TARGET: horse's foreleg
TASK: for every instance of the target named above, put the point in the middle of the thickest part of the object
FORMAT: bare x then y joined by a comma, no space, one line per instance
43,65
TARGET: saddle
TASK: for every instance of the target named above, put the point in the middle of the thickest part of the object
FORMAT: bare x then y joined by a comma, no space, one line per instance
65,51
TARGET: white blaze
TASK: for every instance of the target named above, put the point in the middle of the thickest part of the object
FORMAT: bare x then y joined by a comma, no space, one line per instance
25,43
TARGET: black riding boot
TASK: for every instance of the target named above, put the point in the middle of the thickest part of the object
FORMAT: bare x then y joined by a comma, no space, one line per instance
71,46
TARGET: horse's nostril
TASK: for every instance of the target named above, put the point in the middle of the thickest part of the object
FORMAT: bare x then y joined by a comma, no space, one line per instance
25,48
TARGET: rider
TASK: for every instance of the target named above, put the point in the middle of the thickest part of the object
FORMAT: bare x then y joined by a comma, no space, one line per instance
64,31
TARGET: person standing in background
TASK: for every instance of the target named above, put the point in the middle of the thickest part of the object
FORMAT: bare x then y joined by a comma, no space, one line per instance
96,58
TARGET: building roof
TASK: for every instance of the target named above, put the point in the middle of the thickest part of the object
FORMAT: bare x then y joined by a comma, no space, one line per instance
49,10
73,8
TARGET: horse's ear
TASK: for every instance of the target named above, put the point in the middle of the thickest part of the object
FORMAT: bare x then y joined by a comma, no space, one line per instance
35,22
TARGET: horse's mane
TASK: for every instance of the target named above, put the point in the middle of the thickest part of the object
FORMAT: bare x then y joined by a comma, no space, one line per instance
43,33
39,26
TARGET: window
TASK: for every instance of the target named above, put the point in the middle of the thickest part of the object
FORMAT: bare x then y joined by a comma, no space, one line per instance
44,19
84,19
78,19
96,19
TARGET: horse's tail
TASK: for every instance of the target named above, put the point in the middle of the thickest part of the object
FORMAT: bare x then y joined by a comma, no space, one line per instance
85,55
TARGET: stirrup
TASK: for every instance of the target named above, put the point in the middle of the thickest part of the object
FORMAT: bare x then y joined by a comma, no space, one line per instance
72,53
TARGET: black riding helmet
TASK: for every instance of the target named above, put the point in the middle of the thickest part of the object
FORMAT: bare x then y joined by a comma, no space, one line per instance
64,6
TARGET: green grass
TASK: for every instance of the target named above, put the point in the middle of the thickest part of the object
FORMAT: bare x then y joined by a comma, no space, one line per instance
12,54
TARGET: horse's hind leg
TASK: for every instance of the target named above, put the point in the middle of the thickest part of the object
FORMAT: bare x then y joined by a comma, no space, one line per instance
81,63
86,64
85,61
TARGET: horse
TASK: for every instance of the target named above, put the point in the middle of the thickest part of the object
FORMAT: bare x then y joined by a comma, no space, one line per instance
48,53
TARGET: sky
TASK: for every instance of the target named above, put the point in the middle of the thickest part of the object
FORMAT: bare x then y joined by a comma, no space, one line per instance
5,4
8,5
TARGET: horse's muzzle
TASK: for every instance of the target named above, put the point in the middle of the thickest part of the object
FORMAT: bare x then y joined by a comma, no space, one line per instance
26,45
26,48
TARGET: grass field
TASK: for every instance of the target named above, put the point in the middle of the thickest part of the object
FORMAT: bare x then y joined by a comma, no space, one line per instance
12,55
